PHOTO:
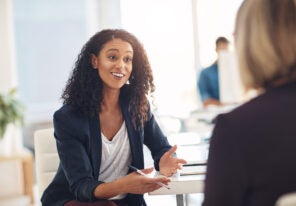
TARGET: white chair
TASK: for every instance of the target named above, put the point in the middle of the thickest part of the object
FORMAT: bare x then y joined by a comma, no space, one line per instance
288,199
46,158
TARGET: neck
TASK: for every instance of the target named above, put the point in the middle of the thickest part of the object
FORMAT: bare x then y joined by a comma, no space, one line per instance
110,101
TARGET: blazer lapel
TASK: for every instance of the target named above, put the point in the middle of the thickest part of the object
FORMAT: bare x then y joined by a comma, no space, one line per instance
135,140
95,144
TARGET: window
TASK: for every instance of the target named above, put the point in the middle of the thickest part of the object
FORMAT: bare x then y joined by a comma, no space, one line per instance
47,40
214,18
165,28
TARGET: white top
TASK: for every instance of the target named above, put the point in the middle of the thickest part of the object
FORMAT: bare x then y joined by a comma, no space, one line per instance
116,156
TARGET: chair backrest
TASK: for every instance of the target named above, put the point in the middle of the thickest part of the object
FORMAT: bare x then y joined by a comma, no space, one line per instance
46,158
288,199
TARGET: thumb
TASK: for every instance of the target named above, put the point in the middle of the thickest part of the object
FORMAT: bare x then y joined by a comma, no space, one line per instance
172,151
148,170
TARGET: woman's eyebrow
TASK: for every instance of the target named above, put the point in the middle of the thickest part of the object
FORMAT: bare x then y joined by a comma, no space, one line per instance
128,51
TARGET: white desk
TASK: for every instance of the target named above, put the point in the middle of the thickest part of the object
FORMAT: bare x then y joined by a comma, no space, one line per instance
191,148
182,185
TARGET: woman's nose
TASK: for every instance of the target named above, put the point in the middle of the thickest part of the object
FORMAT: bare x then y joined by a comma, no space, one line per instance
120,63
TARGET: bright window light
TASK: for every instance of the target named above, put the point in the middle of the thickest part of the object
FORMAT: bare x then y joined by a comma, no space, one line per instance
165,29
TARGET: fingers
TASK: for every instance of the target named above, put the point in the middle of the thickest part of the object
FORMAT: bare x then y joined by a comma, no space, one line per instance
179,167
164,180
181,161
148,170
169,173
172,150
149,184
139,184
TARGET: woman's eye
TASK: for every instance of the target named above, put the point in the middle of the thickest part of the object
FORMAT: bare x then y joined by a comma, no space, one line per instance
128,59
112,57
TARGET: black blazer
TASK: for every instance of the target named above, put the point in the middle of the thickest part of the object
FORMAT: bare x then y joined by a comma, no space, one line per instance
79,146
253,150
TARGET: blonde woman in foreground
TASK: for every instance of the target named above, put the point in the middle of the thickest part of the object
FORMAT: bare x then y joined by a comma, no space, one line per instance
252,149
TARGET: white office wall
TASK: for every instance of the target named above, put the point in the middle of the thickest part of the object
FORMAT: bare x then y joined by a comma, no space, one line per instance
102,14
8,76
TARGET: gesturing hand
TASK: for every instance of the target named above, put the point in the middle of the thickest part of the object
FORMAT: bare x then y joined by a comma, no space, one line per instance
138,184
168,164
132,183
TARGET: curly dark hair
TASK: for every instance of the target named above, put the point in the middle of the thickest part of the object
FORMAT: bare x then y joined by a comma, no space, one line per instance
84,87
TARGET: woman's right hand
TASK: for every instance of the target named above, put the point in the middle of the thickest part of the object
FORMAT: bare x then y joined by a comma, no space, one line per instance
133,183
138,184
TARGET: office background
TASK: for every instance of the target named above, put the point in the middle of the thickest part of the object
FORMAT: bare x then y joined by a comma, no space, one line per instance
43,38
40,41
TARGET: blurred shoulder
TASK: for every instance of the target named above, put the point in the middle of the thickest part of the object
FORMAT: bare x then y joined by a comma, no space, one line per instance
247,116
67,114
213,68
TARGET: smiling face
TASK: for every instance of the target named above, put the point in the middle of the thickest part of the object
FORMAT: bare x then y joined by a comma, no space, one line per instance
114,63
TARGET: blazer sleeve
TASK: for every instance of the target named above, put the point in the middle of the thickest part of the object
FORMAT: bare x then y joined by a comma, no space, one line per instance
155,140
225,182
72,138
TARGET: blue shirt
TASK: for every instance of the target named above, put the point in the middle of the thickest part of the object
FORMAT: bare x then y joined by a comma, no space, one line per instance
208,83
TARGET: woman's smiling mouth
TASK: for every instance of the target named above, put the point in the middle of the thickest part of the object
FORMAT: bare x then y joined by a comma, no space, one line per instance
117,75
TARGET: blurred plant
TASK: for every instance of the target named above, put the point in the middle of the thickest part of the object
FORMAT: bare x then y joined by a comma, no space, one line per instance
11,111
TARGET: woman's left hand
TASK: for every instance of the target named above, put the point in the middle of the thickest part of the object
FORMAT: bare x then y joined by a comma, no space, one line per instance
168,164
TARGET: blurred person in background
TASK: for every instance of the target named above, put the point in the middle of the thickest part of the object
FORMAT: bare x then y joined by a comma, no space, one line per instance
208,80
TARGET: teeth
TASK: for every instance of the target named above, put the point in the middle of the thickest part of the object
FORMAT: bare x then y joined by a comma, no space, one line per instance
117,74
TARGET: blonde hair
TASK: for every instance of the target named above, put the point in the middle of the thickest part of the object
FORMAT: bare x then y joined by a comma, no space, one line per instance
265,39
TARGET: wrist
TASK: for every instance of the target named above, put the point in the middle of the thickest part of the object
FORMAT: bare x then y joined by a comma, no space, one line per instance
120,186
108,190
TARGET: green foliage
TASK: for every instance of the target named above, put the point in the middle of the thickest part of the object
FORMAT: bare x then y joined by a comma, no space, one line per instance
11,111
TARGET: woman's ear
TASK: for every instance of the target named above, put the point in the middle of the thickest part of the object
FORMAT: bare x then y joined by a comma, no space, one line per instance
94,61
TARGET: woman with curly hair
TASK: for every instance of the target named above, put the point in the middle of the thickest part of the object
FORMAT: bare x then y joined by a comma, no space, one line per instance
102,126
